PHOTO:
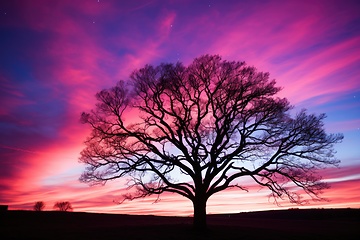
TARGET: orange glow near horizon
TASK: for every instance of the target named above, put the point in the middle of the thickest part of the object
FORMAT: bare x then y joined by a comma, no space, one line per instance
344,193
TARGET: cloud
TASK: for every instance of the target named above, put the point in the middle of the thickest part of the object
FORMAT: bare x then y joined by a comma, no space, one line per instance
286,39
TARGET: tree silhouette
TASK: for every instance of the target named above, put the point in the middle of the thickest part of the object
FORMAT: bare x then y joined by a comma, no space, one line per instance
39,206
63,206
196,130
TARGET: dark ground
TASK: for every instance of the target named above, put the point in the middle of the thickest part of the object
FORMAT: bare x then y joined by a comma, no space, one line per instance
281,224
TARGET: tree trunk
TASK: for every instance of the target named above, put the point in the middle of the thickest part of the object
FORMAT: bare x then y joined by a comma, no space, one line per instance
200,213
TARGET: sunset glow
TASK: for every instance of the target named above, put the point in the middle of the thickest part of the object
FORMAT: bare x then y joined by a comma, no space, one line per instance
56,55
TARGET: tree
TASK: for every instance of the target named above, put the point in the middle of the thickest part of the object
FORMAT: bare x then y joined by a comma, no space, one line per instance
39,206
63,206
213,122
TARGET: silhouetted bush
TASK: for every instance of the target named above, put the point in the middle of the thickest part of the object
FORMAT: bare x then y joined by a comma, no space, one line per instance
63,206
3,208
39,206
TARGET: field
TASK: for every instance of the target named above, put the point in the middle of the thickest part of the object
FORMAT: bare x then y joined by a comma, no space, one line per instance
281,224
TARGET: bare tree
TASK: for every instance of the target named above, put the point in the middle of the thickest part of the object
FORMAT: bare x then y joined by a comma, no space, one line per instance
63,206
39,206
213,122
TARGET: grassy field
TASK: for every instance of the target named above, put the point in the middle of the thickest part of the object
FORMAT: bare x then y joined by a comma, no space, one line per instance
282,224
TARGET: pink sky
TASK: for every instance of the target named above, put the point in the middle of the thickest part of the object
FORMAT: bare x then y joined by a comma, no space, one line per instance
56,56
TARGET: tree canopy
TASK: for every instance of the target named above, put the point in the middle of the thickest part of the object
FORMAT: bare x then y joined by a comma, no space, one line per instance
39,206
214,121
63,206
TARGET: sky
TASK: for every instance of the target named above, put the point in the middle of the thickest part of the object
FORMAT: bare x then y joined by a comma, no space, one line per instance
56,55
